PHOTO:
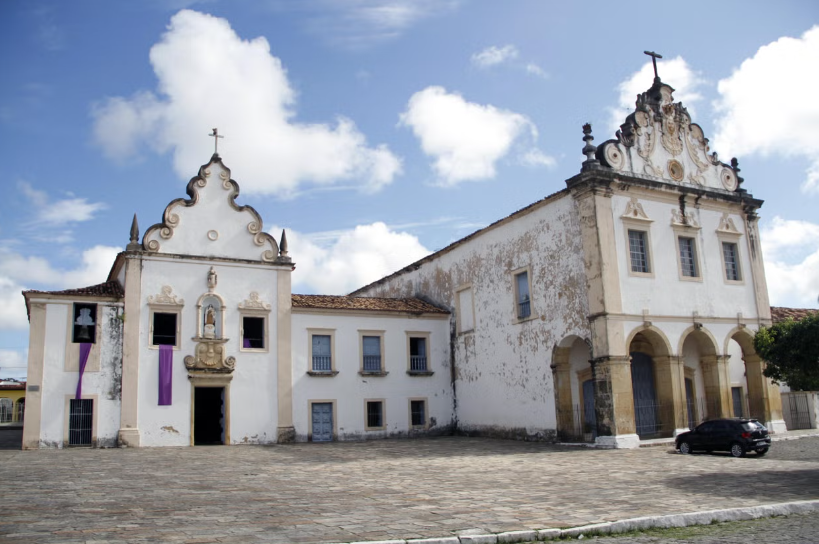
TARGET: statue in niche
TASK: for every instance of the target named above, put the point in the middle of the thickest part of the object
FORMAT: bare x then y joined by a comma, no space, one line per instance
210,322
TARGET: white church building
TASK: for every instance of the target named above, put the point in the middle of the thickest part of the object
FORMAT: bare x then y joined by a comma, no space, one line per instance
619,309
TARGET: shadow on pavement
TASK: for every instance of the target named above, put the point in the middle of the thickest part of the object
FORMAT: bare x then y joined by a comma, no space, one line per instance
11,438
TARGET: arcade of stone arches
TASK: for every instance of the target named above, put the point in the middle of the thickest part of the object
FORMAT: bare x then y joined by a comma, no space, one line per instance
658,391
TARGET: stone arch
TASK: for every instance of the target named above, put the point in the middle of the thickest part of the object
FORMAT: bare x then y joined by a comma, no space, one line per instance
704,375
570,356
656,380
743,337
656,338
763,401
705,338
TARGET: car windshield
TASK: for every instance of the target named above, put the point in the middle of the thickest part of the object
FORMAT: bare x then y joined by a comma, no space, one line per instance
752,426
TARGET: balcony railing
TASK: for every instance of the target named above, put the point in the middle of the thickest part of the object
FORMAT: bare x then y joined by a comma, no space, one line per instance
524,309
322,363
372,363
418,363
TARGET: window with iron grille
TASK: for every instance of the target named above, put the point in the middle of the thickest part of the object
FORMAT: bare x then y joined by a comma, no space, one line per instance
253,332
375,414
418,354
688,257
638,251
80,421
371,346
84,329
522,295
418,413
164,329
730,256
322,355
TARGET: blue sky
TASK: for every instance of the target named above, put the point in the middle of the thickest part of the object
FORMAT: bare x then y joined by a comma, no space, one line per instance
375,131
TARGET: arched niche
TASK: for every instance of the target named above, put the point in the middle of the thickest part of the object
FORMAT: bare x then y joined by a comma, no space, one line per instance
210,309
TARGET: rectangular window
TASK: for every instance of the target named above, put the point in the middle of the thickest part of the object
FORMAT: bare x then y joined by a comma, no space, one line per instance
730,256
418,413
638,250
522,295
164,329
253,332
688,257
84,325
375,414
371,346
322,356
80,422
418,354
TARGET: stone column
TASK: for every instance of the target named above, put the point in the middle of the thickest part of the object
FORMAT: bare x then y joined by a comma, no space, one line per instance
764,400
286,431
129,428
669,373
562,378
614,402
716,379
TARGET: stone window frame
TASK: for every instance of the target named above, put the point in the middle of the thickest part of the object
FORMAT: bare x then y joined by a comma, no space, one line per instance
425,425
644,226
367,426
516,299
380,335
691,233
333,362
67,418
459,312
72,349
164,309
731,238
426,336
254,307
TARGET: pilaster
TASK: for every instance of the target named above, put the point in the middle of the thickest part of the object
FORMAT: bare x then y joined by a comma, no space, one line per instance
129,428
670,384
286,432
614,402
764,400
561,373
717,383
34,383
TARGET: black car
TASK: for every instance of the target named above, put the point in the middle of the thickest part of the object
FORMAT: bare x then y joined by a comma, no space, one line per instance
736,435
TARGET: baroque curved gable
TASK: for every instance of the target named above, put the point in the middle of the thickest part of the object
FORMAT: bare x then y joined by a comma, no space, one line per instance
210,223
659,140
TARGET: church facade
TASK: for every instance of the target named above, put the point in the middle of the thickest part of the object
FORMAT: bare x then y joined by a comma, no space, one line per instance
619,309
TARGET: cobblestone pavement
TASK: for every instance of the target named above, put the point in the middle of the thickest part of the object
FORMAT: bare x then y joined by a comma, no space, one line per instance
375,490
782,530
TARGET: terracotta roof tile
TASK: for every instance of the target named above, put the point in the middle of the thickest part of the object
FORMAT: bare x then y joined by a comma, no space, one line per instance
402,305
781,314
107,289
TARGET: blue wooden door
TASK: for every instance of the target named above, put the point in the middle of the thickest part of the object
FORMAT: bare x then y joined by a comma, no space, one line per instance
645,396
322,422
589,417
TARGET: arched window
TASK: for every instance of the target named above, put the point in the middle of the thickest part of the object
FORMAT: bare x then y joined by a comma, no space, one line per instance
20,409
6,410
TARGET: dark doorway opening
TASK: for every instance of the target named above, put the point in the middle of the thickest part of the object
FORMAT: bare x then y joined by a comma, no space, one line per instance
208,416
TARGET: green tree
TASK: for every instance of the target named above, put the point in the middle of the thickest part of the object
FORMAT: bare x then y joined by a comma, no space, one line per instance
791,349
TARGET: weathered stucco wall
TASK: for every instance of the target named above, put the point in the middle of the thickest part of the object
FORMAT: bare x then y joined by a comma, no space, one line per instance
503,378
349,389
253,389
101,382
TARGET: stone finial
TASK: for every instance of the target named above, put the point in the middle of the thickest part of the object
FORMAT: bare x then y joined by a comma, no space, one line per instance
589,150
133,244
735,168
283,244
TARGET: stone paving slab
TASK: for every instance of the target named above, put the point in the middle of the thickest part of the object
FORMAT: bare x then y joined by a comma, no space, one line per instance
366,491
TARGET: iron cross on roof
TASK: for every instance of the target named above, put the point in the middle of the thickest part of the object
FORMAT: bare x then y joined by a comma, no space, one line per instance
654,56
216,137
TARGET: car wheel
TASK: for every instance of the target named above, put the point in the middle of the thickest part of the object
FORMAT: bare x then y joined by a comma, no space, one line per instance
685,447
737,450
761,451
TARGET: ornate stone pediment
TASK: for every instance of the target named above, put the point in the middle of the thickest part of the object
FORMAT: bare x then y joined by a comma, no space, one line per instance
659,140
687,219
634,210
211,223
210,357
253,302
166,297
726,226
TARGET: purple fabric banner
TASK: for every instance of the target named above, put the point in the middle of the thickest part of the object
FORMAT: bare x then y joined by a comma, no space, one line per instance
165,375
246,343
85,349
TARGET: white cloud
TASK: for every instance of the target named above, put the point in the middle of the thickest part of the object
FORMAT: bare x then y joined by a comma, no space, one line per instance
535,70
465,139
13,363
61,212
768,105
535,157
12,305
342,261
674,72
244,90
494,55
791,251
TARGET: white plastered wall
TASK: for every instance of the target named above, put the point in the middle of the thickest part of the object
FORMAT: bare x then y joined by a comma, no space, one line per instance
503,368
253,389
349,389
102,385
